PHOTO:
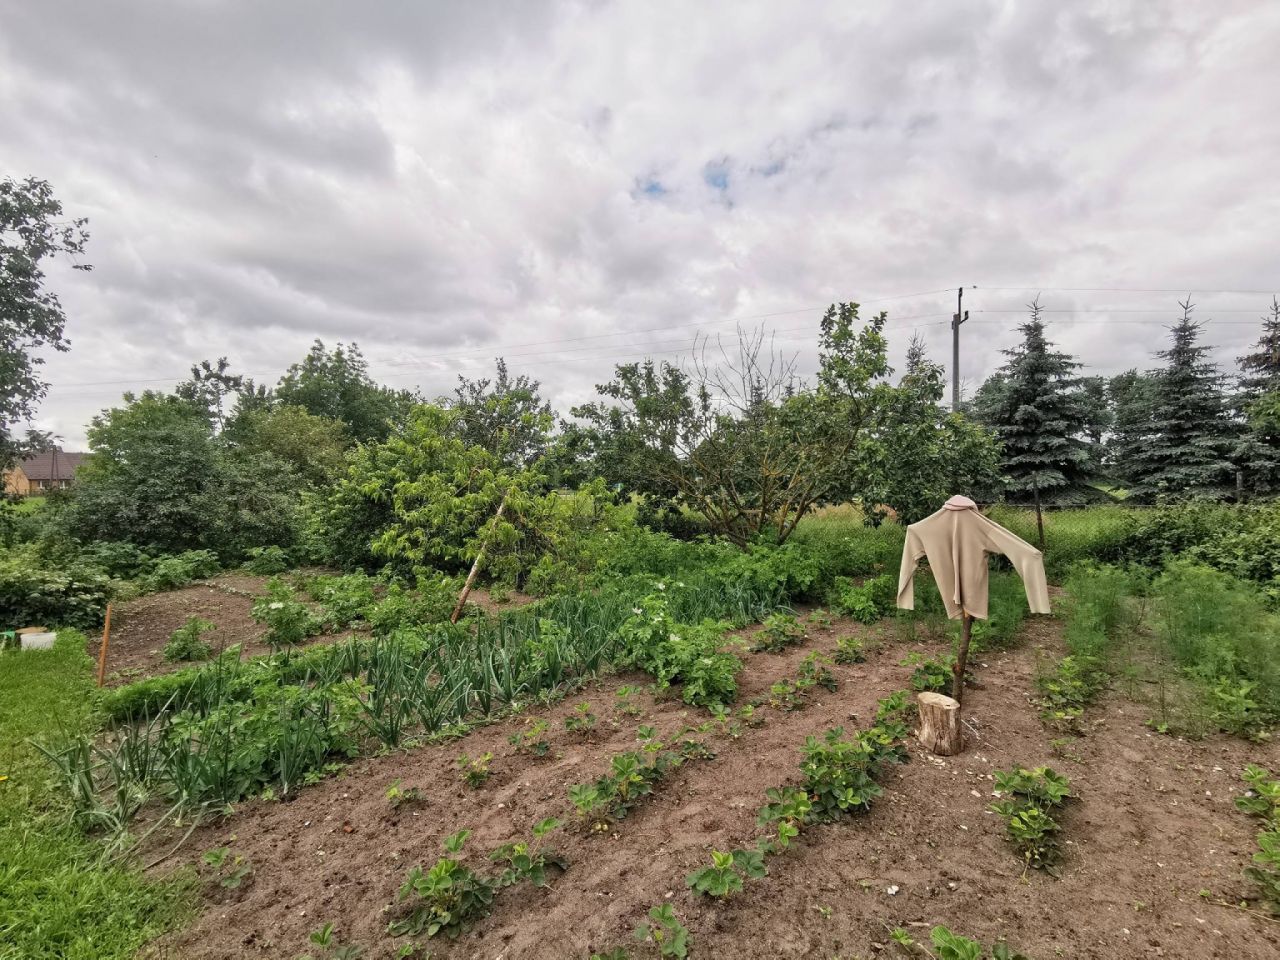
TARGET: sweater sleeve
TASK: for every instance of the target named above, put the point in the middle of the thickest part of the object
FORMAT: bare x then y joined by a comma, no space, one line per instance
912,551
1026,559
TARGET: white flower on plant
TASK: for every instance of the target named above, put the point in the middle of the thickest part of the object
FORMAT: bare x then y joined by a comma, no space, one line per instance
662,586
637,611
277,605
674,637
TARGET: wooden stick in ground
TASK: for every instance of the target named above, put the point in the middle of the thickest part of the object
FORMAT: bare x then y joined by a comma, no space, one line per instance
475,566
962,658
940,729
102,654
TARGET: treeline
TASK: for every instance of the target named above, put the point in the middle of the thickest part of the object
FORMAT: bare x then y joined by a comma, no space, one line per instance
1184,430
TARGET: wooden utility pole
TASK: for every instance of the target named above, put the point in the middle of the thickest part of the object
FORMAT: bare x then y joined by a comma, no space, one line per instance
959,318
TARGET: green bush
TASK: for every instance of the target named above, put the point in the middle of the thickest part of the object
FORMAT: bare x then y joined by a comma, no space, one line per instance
347,599
683,653
30,596
185,643
869,601
289,621
178,570
267,561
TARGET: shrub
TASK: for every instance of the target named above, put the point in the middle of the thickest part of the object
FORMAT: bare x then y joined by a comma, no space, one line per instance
780,630
30,596
178,570
266,561
348,599
185,643
431,602
289,621
674,652
869,601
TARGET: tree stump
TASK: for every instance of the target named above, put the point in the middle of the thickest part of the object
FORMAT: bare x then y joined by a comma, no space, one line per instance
940,729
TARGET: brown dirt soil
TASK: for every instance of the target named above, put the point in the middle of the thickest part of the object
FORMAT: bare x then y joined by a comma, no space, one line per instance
1153,825
142,626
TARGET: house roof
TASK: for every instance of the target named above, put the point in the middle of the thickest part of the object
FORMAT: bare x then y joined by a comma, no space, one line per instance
52,465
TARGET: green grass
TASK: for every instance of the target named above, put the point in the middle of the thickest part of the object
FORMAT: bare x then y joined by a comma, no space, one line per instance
58,897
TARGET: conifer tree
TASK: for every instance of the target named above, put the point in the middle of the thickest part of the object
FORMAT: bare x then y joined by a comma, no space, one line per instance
1131,395
1188,453
1258,403
1037,411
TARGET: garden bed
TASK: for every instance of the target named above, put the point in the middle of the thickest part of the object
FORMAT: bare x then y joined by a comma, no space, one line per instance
1154,825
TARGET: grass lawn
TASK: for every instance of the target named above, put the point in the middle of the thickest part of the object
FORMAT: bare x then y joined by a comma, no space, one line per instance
58,898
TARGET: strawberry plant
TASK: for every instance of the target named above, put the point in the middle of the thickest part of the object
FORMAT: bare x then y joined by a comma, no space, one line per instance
450,896
626,706
850,650
727,872
231,870
323,938
401,796
838,774
631,777
933,673
532,739
821,620
787,807
475,772
781,630
185,643
1263,800
1027,799
952,946
528,861
666,932
582,720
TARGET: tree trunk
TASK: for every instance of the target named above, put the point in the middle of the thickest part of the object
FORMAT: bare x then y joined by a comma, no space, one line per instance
940,730
475,566
1039,514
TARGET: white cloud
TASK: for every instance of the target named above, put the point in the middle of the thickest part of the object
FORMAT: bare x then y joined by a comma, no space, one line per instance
451,181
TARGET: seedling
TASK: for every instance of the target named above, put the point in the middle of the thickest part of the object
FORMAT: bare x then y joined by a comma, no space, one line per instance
475,772
821,619
532,739
625,706
451,896
727,872
528,861
781,630
666,931
932,673
324,938
582,720
850,650
230,869
789,808
401,796
185,643
1028,797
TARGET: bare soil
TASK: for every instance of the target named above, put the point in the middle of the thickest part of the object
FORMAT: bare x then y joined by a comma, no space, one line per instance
1154,824
141,627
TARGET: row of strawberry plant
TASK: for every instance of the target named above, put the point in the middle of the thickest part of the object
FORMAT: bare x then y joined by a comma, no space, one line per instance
1262,800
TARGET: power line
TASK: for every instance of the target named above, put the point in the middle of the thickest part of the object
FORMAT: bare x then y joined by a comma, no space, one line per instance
1126,290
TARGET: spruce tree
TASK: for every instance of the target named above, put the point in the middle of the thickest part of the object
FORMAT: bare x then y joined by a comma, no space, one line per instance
1260,370
1187,455
1131,395
1037,410
1257,403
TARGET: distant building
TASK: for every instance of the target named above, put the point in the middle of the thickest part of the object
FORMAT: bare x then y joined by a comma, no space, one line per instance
42,472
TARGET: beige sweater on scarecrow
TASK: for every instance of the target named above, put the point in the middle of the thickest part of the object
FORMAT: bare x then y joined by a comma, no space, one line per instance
957,540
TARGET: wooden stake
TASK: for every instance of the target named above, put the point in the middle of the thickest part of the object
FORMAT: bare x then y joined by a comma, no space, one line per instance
102,654
962,658
940,730
475,566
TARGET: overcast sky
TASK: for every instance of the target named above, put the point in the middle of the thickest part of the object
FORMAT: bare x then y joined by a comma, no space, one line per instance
574,184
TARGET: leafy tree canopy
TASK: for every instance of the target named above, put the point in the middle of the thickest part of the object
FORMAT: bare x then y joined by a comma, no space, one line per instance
31,317
504,416
336,384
